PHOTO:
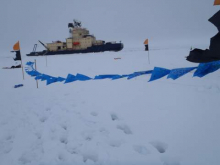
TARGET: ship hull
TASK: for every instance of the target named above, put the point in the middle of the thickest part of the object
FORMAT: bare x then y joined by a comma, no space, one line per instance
92,49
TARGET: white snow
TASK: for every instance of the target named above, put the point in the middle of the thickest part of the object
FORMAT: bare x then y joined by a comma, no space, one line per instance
108,122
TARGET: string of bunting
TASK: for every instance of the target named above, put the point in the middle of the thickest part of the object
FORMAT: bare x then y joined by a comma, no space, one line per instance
202,70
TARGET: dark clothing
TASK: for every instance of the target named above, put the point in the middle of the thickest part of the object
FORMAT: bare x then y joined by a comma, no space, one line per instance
18,56
146,48
213,53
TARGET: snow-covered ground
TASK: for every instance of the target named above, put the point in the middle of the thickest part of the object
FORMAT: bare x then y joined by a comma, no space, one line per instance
109,122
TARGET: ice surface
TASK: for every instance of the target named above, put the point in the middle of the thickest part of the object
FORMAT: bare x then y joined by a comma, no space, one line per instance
109,122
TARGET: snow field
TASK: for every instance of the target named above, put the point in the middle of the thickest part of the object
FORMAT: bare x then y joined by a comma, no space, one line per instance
109,122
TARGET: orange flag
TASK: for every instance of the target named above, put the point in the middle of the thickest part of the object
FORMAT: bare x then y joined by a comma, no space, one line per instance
217,2
16,46
146,42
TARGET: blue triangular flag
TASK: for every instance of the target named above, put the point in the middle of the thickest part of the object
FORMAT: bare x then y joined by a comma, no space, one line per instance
206,68
82,77
51,80
70,78
176,73
158,73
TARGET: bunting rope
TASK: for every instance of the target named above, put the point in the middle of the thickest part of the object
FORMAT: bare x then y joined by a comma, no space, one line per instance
202,70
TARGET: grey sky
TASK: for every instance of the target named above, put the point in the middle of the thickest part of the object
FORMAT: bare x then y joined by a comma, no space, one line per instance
121,20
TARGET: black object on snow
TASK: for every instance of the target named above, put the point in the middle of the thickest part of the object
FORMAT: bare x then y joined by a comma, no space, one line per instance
213,53
18,55
17,66
19,85
146,48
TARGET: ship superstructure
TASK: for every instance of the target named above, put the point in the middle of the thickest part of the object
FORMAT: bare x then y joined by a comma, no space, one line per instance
79,41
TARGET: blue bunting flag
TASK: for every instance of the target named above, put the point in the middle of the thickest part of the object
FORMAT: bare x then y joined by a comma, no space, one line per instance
70,78
206,68
176,73
82,77
158,73
105,76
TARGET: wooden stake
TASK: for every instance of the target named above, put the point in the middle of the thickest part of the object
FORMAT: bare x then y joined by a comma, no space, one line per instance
148,55
22,66
36,70
46,60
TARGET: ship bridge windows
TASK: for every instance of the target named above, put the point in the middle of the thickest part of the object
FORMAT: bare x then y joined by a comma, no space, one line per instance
88,36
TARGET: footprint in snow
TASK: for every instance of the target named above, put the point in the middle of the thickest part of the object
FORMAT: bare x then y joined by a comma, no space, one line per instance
61,157
48,109
6,144
104,131
115,143
25,159
141,149
43,119
33,154
94,113
160,146
64,126
92,156
72,149
38,135
88,135
114,117
63,140
124,128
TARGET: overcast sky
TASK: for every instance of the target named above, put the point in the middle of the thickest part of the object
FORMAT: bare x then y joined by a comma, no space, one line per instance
129,21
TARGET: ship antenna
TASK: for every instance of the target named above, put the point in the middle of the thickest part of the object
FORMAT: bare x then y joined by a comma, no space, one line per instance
77,23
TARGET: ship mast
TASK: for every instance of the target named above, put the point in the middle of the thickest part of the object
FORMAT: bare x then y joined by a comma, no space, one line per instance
71,26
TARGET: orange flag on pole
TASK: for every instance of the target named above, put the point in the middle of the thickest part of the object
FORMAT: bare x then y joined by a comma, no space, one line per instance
217,2
146,42
16,46
146,45
147,49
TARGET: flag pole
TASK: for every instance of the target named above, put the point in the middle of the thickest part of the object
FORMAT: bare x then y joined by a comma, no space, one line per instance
22,68
21,62
148,56
35,61
46,60
146,43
